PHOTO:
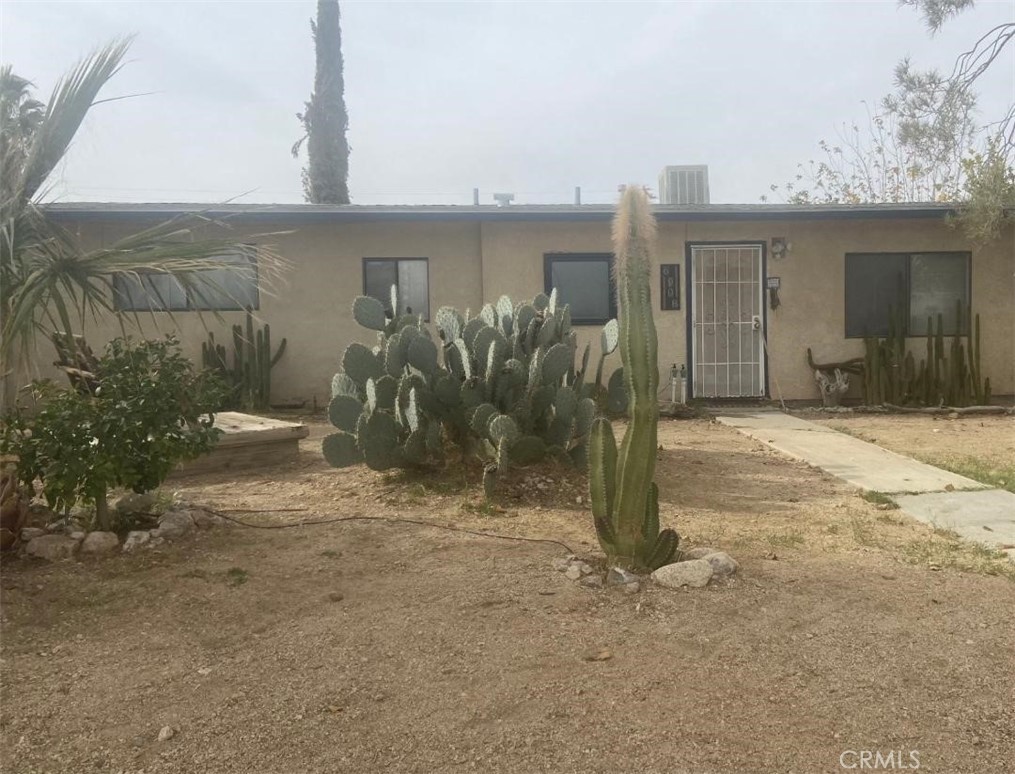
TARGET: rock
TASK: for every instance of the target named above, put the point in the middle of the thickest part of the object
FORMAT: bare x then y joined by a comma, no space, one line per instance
205,520
723,565
573,572
336,596
631,588
696,553
166,733
135,539
30,533
174,524
77,535
585,569
591,582
135,503
694,573
559,564
100,543
620,577
52,548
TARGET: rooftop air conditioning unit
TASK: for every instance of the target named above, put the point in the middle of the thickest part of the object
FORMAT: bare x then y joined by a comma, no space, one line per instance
684,185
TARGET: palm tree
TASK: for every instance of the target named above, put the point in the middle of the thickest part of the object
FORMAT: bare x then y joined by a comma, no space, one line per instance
48,281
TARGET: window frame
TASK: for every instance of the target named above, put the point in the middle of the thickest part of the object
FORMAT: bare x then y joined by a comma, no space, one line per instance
396,260
249,250
966,255
609,258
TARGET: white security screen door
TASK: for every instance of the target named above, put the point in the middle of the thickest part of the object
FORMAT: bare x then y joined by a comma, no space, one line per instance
727,315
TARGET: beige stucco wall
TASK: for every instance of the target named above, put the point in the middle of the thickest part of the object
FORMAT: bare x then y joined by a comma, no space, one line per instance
471,262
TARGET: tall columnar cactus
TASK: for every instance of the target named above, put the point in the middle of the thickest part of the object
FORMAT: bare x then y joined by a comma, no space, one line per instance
250,376
625,500
946,376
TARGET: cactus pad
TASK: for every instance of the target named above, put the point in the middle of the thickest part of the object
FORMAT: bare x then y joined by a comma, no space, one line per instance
377,437
527,450
343,385
609,338
556,362
479,417
340,450
360,364
423,355
369,312
344,411
386,392
503,428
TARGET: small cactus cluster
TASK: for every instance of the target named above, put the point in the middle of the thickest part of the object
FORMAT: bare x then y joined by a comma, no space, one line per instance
952,378
625,499
502,385
249,379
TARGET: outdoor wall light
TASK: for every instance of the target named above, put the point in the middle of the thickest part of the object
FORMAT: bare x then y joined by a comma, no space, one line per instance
780,246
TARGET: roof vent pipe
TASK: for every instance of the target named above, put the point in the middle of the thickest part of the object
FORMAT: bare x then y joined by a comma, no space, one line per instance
503,199
577,196
475,196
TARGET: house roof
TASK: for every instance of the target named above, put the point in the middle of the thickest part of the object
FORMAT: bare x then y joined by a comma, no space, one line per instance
514,212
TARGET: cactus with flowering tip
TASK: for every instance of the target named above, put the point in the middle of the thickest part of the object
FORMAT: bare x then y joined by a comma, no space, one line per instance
625,500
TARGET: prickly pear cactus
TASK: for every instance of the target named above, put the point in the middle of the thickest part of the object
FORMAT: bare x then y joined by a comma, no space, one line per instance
502,385
379,399
625,500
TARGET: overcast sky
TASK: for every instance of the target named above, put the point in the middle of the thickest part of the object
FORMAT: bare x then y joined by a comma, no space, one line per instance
533,98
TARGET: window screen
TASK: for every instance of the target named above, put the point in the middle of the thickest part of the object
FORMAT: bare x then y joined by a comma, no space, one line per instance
938,285
232,287
585,283
148,292
227,289
409,275
913,286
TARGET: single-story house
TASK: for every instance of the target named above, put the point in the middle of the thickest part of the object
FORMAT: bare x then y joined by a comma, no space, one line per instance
742,290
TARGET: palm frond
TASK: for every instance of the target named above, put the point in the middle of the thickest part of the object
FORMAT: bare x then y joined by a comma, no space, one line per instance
72,98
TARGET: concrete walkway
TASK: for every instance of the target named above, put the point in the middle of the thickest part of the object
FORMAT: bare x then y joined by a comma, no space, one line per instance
932,495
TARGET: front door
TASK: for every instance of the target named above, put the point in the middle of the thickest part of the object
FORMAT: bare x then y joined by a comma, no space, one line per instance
727,320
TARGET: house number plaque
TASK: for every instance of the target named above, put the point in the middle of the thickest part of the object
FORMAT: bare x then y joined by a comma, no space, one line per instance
670,292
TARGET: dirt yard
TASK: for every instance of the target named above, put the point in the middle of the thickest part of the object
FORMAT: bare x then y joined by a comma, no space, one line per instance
982,447
368,647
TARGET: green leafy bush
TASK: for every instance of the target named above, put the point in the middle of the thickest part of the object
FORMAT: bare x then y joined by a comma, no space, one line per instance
150,411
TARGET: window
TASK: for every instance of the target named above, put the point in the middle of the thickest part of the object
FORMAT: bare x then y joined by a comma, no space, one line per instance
225,289
913,286
584,281
410,275
229,288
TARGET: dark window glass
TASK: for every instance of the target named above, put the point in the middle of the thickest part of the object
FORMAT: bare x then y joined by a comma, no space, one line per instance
875,288
583,282
409,275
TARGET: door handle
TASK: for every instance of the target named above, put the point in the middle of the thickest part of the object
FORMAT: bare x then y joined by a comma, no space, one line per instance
756,322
